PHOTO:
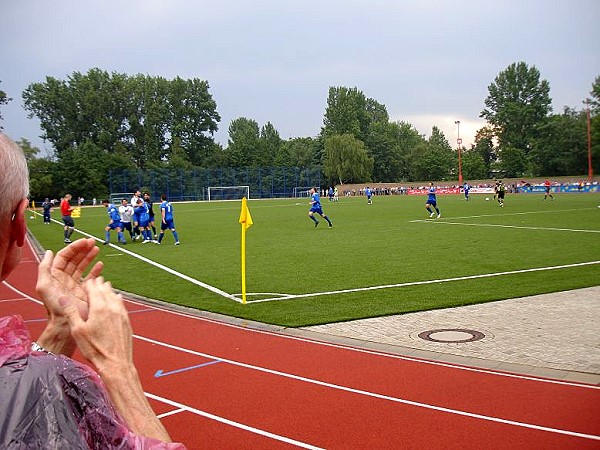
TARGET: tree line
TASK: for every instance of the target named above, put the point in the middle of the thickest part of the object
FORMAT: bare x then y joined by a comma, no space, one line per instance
99,121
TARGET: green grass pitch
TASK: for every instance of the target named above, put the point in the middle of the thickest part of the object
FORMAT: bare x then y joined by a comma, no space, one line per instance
379,259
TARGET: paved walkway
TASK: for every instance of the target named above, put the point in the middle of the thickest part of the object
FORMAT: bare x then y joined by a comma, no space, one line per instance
552,335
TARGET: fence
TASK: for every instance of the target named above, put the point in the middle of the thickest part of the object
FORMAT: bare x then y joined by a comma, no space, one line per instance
180,184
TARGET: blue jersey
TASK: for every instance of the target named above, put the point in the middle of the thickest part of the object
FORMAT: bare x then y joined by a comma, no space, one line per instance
315,200
431,194
168,208
113,213
142,212
466,188
368,192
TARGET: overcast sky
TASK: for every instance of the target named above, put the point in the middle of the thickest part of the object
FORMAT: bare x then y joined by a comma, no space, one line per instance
430,62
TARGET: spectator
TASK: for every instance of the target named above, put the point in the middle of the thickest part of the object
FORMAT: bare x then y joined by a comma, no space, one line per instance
48,398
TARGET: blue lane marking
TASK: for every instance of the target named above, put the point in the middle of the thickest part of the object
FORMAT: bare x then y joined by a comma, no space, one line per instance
160,373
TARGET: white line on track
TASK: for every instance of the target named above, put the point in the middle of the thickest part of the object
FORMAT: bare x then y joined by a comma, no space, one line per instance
232,423
373,394
417,283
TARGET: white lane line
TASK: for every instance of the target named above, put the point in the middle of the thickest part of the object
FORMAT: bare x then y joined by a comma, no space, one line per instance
373,394
232,423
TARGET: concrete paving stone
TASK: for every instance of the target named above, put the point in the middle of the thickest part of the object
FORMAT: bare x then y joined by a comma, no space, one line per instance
552,333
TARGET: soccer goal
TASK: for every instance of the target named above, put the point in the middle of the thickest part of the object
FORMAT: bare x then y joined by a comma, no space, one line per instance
302,191
116,197
228,192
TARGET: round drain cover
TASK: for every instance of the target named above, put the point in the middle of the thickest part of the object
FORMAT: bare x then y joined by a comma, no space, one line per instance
452,335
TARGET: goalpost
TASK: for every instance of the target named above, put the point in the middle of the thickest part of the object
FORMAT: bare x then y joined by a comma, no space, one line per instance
228,192
116,197
301,191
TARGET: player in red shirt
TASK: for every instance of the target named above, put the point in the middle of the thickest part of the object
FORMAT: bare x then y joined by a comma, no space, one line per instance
547,186
65,210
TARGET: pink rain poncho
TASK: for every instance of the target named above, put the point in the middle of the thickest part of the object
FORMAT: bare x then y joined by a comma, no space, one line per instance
52,401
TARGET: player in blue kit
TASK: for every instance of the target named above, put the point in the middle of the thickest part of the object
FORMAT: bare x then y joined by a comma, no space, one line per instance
369,194
315,207
113,224
431,201
167,222
466,189
141,210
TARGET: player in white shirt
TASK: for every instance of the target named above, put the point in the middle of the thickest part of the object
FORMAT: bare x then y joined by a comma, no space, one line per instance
126,213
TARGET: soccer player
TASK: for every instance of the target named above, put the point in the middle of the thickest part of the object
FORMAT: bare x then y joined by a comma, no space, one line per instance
431,201
66,210
466,189
47,207
141,210
113,224
330,193
547,187
126,213
136,219
167,222
315,207
369,194
501,192
150,212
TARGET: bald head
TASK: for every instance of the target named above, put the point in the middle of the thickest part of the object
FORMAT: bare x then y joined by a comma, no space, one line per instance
14,176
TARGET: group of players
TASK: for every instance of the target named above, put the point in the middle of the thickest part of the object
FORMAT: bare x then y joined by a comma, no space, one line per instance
137,217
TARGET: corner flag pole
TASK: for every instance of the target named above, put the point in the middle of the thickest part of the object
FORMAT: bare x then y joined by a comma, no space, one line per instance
246,222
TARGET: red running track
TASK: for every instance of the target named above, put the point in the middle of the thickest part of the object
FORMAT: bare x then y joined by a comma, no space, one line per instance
217,385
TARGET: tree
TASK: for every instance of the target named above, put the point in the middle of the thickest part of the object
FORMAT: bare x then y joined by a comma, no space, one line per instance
513,162
433,159
350,112
298,152
270,144
4,99
484,146
243,148
346,159
517,103
473,166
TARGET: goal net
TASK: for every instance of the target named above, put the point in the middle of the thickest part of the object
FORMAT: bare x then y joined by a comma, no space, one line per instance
228,192
300,192
116,197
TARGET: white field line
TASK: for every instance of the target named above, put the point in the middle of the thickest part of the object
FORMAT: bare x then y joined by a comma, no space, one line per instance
511,226
417,283
508,214
366,393
163,267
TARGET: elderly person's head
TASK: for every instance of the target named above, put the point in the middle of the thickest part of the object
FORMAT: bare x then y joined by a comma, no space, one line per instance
14,189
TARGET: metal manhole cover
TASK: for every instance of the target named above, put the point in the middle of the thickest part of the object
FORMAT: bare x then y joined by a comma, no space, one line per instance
451,335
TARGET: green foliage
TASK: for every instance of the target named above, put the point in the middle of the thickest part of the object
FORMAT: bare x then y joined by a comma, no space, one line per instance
4,99
513,162
433,159
473,166
346,159
518,101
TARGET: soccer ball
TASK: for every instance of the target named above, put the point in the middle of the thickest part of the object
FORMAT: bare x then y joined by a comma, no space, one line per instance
32,217
487,199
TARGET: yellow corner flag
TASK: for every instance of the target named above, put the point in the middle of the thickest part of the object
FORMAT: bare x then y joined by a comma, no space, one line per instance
246,222
245,217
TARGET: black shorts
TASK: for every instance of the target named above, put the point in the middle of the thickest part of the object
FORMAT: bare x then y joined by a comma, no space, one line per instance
68,220
500,194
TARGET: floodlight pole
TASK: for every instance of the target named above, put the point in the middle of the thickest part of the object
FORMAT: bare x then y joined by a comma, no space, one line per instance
458,143
589,139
